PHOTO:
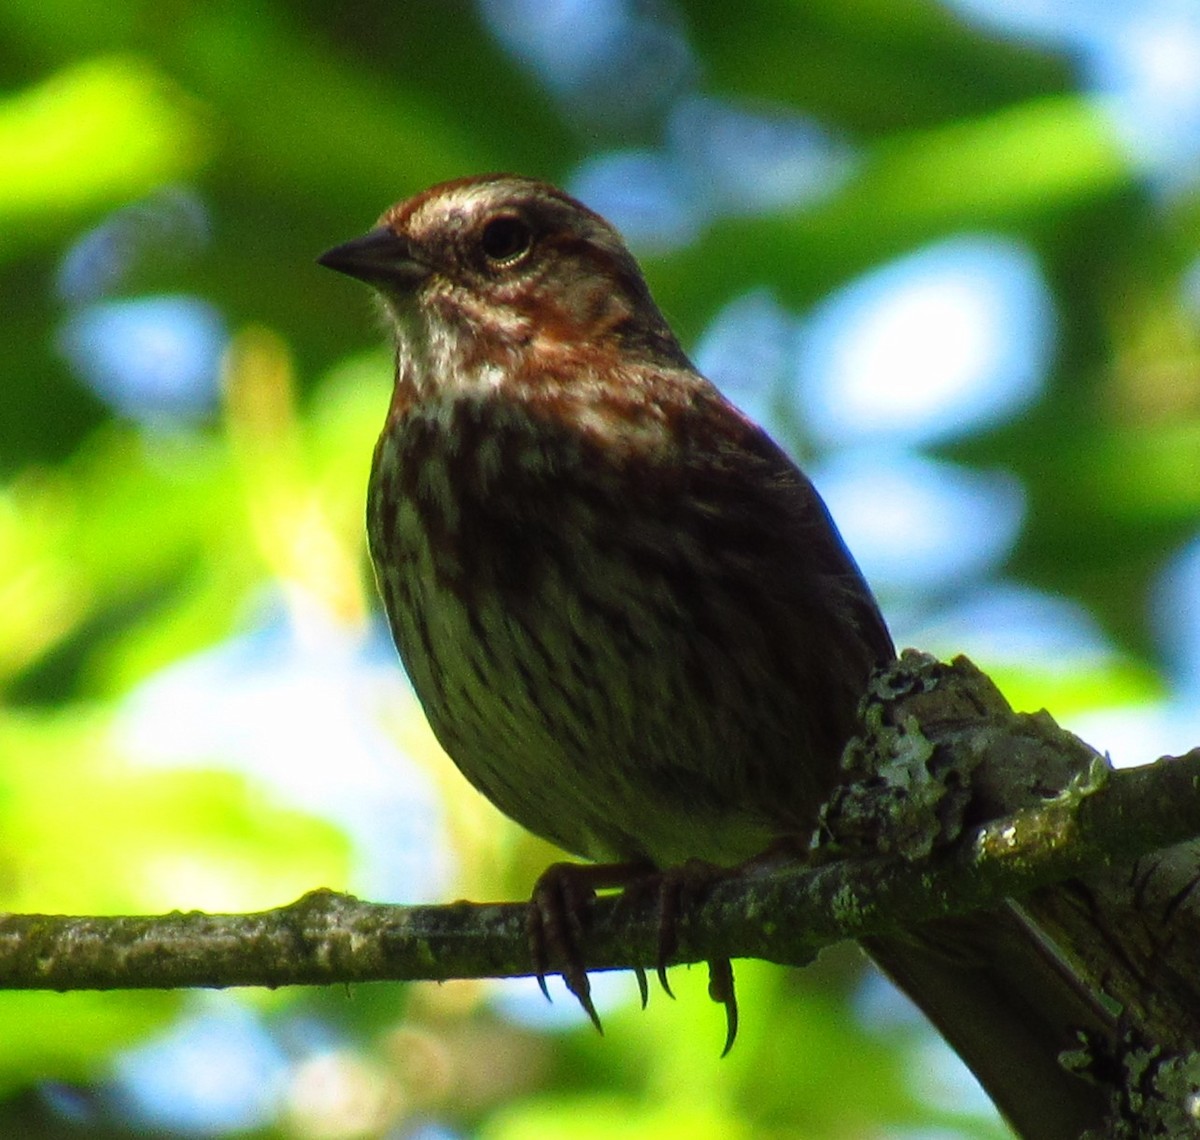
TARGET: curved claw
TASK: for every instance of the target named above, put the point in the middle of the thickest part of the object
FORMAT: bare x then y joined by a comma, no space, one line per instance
676,887
577,982
721,990
669,890
536,933
643,986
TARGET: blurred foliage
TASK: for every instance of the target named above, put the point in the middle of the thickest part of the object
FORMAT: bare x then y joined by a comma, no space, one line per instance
126,547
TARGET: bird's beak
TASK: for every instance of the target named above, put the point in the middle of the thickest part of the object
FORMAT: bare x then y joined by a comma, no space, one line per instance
380,257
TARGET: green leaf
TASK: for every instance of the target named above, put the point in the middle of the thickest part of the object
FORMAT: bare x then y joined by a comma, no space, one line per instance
92,135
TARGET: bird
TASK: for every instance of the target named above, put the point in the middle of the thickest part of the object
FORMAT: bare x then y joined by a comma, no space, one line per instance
628,615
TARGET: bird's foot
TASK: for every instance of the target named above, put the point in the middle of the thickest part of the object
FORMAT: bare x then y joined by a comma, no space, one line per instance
558,916
680,888
557,923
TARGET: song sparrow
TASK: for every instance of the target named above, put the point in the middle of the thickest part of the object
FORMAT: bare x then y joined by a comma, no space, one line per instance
628,615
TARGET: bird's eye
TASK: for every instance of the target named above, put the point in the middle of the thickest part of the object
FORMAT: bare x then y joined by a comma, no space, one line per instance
505,240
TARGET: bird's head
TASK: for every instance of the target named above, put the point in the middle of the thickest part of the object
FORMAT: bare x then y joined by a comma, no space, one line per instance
513,263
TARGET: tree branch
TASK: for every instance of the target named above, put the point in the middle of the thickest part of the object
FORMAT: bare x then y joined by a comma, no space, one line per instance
951,804
783,912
